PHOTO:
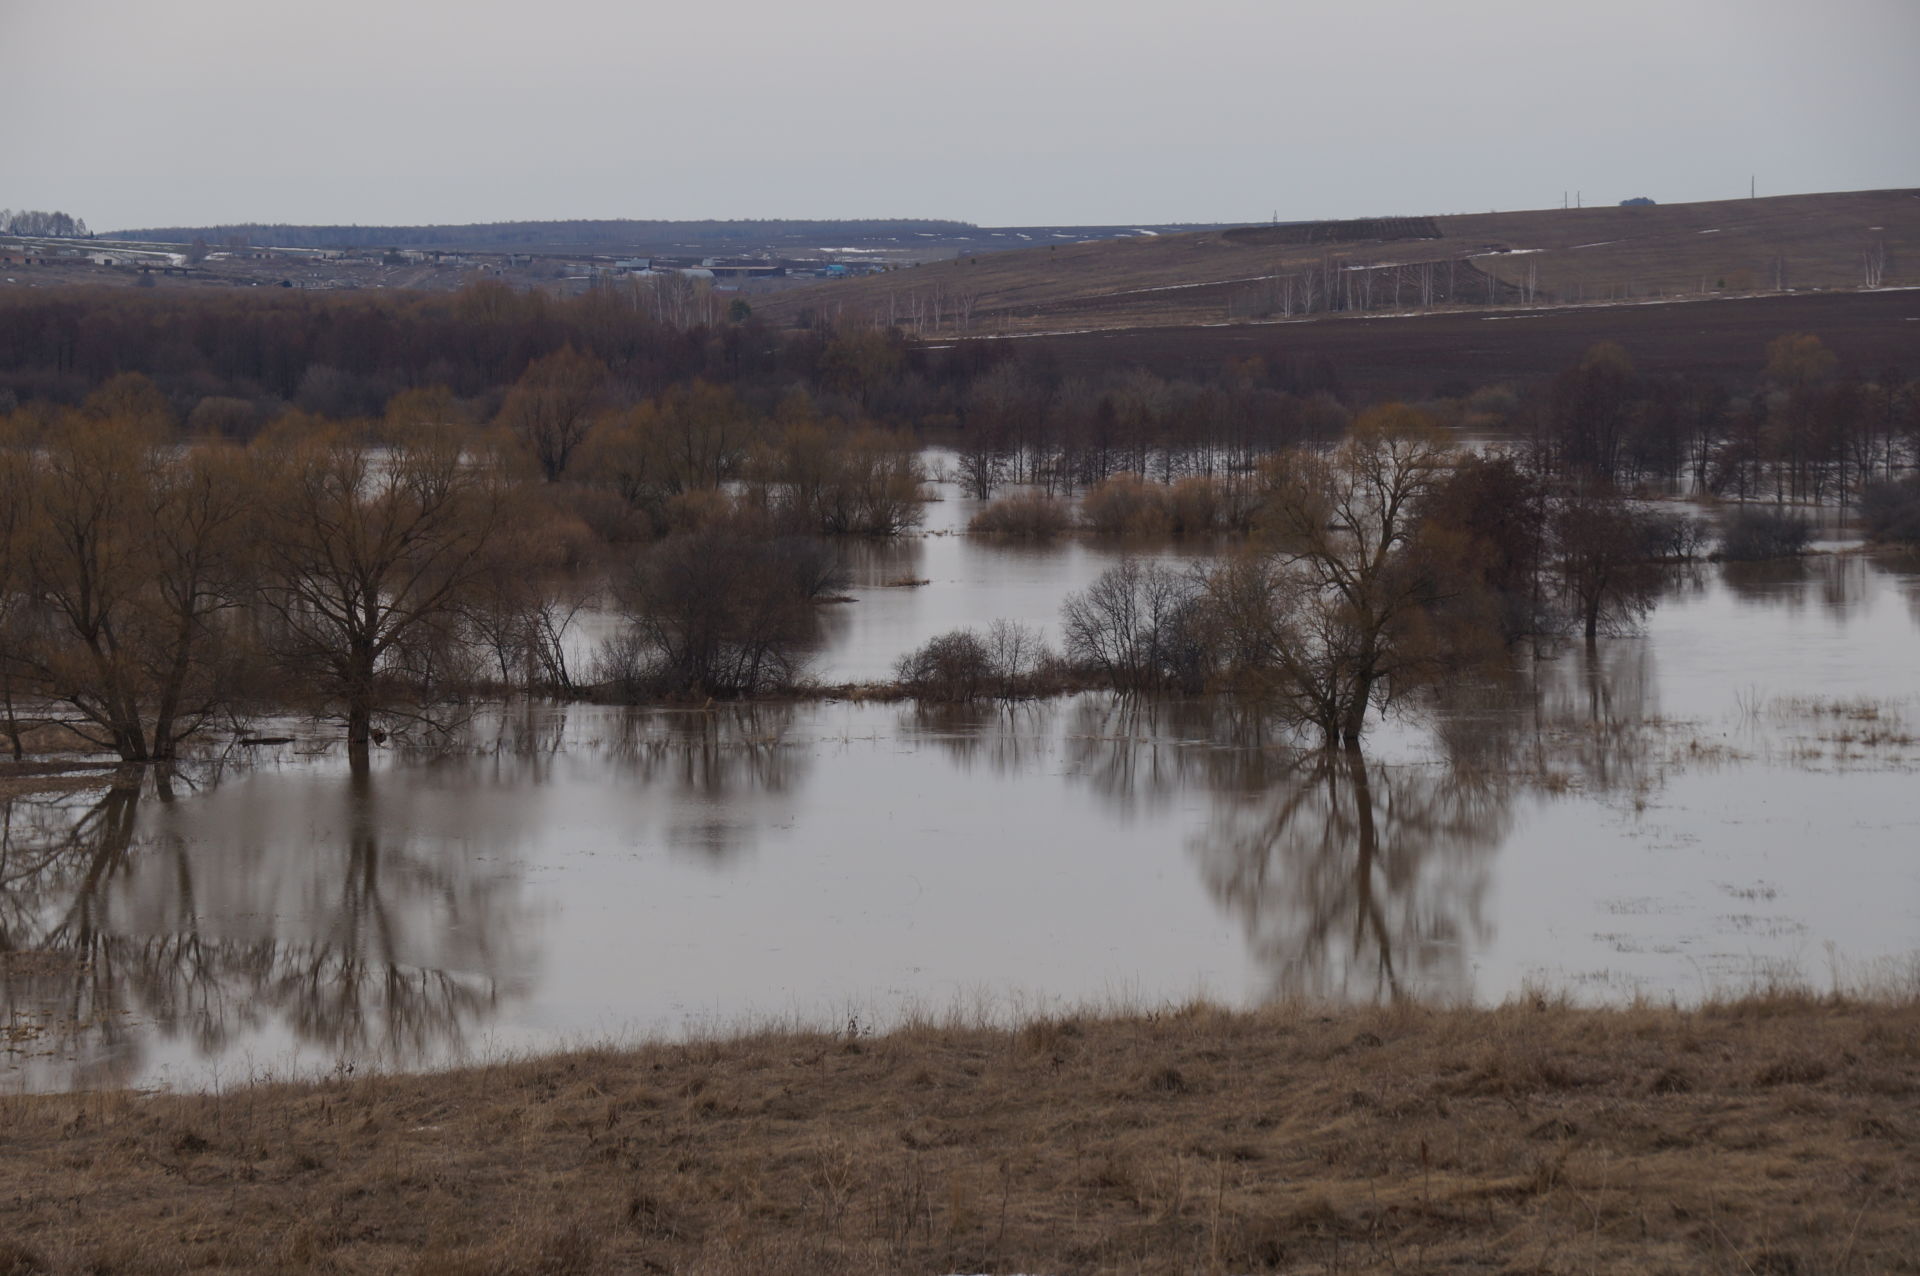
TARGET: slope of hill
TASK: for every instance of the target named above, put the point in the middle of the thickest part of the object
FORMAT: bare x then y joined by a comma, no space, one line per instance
1394,265
619,234
898,240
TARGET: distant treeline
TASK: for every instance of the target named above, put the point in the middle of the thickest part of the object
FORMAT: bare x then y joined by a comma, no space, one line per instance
611,234
54,225
1800,426
230,363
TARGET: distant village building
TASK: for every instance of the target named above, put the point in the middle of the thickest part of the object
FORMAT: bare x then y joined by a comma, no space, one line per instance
737,268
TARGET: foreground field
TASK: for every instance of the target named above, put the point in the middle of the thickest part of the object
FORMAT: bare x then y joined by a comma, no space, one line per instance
1773,1134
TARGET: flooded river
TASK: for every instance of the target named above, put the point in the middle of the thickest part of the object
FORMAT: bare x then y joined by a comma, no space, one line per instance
1729,796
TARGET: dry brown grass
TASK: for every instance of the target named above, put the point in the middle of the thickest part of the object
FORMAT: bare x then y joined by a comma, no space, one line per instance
1023,517
1718,248
1773,1134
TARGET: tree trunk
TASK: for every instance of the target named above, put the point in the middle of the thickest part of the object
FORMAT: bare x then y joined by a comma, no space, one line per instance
1355,718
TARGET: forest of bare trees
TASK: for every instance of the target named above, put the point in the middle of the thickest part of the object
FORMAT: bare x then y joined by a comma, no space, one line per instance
54,225
377,510
1800,427
155,585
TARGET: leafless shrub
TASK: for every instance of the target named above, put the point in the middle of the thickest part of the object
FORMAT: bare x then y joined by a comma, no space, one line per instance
1891,510
1029,517
1008,661
1207,506
1126,505
720,611
1751,534
1141,625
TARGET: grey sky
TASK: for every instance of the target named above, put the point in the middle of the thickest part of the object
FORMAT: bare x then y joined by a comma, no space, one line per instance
145,112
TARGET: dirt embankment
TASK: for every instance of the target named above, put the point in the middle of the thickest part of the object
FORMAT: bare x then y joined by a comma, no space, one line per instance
1777,1134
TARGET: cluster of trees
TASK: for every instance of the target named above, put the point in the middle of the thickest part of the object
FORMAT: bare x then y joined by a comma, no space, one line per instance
1375,567
55,225
233,362
152,585
1808,431
152,588
667,457
1803,429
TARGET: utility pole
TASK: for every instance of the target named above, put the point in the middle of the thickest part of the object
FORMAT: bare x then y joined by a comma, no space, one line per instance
1752,184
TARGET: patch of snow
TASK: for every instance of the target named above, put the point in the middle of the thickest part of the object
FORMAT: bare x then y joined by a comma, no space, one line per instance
1138,231
1205,283
1714,231
1515,252
1599,243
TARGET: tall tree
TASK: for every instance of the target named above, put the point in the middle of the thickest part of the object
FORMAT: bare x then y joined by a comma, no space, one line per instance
1603,555
371,554
552,406
1331,618
131,554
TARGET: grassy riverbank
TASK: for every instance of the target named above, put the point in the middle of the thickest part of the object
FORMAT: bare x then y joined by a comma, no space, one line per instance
1775,1133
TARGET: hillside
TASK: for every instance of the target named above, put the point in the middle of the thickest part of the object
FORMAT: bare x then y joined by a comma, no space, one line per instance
897,240
1393,265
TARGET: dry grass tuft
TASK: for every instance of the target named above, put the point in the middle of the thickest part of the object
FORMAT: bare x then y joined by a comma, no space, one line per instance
1771,1133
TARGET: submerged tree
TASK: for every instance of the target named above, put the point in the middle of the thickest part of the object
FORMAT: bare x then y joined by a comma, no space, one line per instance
725,610
1604,556
552,406
368,558
1142,626
128,550
1329,617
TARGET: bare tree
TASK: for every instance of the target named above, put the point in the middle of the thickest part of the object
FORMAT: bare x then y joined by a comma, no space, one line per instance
1604,559
1140,625
1874,264
130,554
553,404
1330,619
369,554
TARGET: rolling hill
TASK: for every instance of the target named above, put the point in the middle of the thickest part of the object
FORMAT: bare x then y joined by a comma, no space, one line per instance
1392,265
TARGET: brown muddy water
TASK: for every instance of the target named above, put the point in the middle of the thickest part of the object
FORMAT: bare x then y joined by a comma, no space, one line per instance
1729,796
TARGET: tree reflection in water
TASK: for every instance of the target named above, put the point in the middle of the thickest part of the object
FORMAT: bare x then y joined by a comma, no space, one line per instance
1004,737
1358,881
728,773
1353,878
378,915
360,950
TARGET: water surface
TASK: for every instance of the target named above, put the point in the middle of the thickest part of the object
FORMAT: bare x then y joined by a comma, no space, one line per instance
1729,795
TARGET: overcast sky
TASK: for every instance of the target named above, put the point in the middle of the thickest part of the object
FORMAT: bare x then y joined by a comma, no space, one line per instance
170,112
